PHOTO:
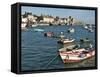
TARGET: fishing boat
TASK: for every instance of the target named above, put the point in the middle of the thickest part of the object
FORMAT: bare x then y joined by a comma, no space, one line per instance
91,30
85,27
71,30
64,41
38,30
77,55
49,34
84,40
34,25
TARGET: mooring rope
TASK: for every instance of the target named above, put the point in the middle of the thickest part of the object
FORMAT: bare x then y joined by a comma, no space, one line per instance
51,61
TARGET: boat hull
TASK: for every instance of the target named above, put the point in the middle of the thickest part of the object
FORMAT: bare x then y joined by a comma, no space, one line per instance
65,41
75,61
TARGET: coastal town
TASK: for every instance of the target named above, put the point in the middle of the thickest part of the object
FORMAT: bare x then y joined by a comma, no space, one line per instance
32,20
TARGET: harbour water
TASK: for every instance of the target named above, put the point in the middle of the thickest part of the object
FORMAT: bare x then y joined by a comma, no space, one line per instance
38,51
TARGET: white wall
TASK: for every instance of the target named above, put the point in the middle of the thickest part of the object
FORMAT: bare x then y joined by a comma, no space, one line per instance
5,42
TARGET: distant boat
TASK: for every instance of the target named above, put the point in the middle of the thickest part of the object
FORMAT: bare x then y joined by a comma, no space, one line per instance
49,34
77,55
71,30
38,30
34,25
64,41
85,27
84,40
91,30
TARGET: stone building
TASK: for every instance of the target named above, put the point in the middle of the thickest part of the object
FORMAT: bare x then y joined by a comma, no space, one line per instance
48,19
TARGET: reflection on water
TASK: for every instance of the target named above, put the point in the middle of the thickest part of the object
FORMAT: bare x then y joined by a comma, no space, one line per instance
39,52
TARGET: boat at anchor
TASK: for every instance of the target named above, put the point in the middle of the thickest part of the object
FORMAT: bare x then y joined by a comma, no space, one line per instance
77,55
71,30
64,41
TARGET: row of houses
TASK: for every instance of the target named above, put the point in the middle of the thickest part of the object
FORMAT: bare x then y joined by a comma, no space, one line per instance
28,19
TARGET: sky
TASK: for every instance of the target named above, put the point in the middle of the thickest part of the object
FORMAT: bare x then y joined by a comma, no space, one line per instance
87,16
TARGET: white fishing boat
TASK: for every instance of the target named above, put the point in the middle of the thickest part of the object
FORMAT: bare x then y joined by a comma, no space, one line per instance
64,41
84,40
77,55
85,27
34,25
43,24
38,30
71,30
91,30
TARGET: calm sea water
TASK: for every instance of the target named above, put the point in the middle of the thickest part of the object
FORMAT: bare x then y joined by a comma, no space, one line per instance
39,52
